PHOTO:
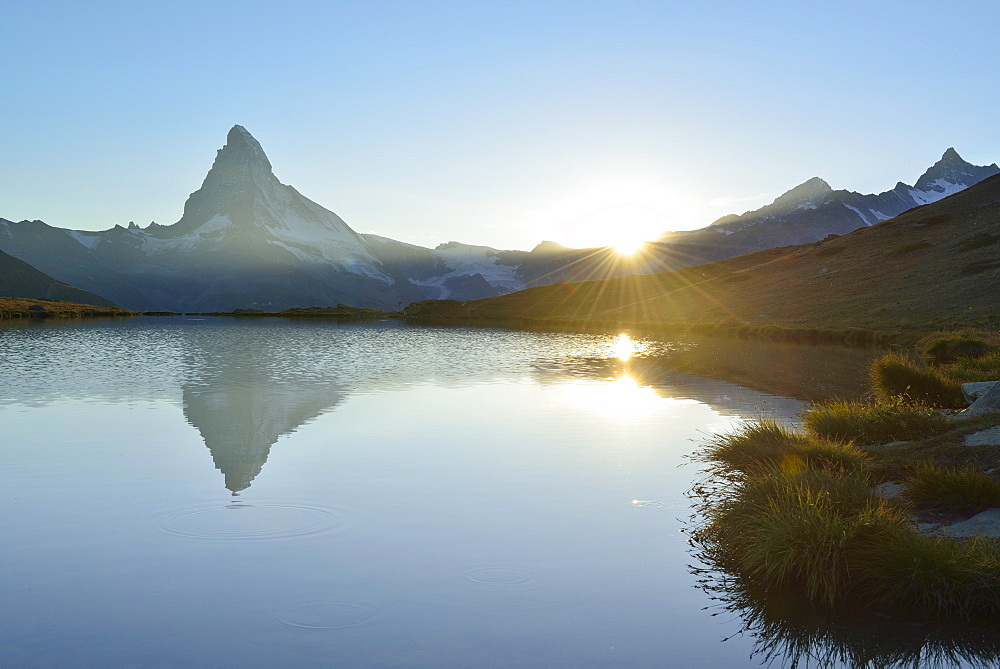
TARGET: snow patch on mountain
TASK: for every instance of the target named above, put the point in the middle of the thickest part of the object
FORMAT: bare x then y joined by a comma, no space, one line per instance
212,229
940,190
466,260
88,239
858,212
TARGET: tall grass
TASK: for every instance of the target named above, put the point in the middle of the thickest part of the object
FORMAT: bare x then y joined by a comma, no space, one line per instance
793,529
878,422
947,349
932,575
818,530
983,368
960,489
894,375
765,444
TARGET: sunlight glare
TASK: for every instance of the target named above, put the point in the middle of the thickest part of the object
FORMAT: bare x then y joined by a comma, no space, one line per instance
627,247
623,347
623,399
623,214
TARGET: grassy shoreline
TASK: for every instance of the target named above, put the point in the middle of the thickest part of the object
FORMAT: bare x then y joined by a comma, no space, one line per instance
14,308
807,511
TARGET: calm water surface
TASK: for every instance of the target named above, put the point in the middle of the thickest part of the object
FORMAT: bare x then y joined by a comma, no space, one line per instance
262,493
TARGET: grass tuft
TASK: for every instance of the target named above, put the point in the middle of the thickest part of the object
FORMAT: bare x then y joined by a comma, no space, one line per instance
878,422
983,368
895,375
932,575
765,444
947,349
960,489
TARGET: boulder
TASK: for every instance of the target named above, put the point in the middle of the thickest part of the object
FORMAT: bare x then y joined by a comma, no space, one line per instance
985,524
973,391
988,402
987,437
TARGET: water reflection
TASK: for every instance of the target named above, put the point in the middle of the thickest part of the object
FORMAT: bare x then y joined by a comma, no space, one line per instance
622,398
241,420
242,393
624,347
638,385
245,385
788,632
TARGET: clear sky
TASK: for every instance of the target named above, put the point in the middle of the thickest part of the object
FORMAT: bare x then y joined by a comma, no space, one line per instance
500,123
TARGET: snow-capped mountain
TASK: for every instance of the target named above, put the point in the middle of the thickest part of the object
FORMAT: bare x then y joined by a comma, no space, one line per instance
248,241
813,210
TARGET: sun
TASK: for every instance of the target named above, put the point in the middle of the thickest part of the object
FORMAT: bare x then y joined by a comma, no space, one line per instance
627,247
620,213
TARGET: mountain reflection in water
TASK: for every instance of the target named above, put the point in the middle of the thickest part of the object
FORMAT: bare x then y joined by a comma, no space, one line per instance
459,498
240,421
241,408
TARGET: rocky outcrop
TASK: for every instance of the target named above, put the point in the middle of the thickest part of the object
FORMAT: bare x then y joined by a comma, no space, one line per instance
988,402
973,391
985,524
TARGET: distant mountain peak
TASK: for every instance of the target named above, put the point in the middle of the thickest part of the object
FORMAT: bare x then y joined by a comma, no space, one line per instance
549,247
807,190
242,153
953,170
951,155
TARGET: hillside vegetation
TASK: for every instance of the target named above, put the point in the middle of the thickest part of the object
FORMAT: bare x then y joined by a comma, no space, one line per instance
933,266
14,307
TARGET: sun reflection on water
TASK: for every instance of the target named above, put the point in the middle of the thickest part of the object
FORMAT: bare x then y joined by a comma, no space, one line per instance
624,347
622,398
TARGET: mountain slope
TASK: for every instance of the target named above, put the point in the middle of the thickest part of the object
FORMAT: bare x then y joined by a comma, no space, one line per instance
813,210
19,279
245,240
936,265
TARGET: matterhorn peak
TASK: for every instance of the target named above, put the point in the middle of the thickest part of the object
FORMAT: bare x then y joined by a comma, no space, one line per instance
242,153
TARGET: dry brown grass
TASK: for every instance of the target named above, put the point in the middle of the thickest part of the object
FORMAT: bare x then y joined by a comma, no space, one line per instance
16,307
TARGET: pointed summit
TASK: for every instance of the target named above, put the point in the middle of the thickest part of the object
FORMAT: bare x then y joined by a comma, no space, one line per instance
951,174
803,194
241,156
240,173
951,155
240,141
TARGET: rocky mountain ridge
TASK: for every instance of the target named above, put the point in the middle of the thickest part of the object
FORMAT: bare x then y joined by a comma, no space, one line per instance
813,210
246,240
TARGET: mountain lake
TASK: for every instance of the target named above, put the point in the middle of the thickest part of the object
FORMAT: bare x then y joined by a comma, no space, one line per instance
265,492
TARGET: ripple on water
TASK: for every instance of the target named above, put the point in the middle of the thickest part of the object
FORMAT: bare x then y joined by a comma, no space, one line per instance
328,615
241,522
512,586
